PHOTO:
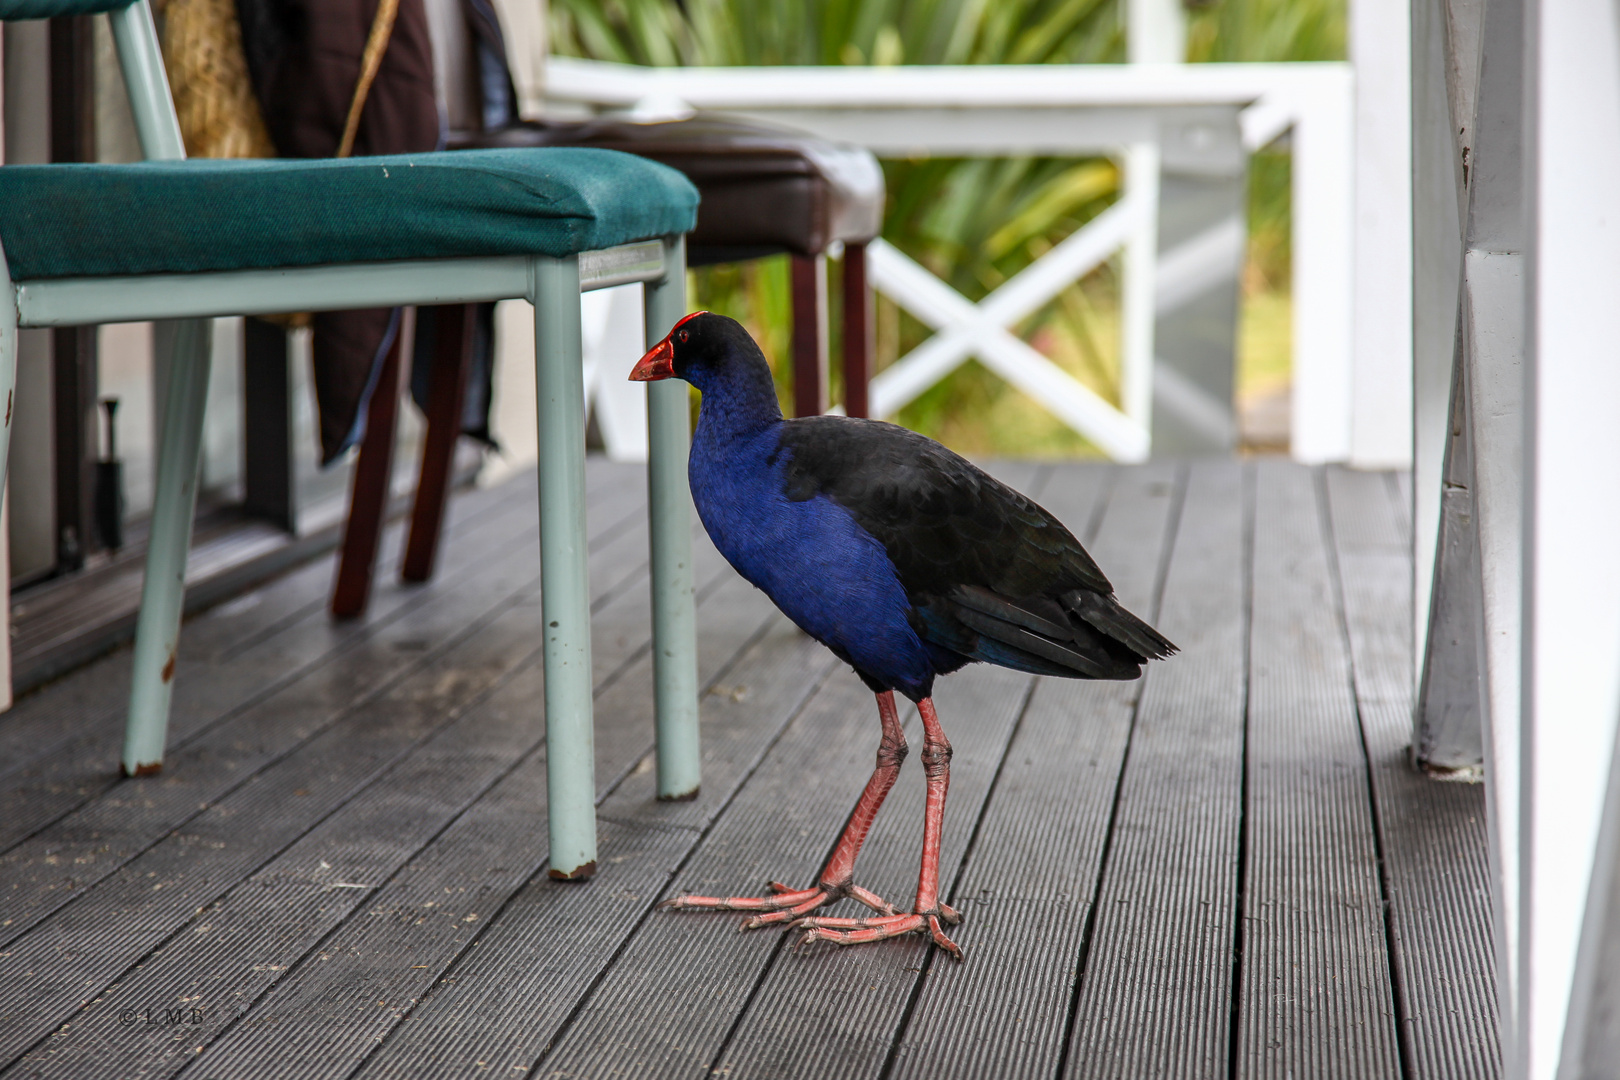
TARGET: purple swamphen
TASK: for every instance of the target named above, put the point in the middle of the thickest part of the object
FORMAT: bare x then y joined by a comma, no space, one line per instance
902,558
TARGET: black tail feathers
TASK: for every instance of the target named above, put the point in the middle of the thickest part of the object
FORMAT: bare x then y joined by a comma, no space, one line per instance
1105,614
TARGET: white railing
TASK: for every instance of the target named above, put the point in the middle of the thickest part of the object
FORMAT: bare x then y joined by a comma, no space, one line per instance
1082,110
966,329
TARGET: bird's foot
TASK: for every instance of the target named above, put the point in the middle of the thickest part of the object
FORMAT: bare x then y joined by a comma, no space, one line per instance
784,905
861,931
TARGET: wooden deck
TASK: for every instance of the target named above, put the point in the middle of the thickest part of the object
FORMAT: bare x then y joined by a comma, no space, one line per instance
1224,869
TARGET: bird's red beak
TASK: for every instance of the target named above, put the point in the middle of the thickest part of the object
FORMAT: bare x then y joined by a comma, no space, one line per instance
659,363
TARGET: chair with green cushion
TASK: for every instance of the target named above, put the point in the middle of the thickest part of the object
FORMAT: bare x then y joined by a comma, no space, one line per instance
188,240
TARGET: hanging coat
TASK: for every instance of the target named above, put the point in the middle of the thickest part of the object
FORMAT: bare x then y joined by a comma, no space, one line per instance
304,58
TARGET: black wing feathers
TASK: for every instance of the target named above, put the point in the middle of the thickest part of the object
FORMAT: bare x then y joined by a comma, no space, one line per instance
990,573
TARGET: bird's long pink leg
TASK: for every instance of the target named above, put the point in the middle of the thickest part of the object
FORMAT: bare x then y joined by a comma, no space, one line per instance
838,876
926,916
936,758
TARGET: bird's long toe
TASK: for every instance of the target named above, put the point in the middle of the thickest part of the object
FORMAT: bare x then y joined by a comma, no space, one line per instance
784,905
781,899
871,900
864,931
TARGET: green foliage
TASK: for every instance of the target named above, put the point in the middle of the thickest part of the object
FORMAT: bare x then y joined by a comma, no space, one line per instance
974,222
755,32
1267,31
1270,234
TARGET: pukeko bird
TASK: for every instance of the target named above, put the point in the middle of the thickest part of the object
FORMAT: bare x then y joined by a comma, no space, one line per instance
902,558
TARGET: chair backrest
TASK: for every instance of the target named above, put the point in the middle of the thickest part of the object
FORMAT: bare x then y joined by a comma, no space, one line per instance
138,54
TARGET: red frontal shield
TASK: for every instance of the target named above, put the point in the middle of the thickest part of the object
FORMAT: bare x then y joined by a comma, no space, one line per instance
659,363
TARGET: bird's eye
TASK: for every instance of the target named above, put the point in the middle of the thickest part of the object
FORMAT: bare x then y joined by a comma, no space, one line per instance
685,334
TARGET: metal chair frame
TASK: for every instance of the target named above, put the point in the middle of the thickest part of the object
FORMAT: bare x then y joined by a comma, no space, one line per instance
553,286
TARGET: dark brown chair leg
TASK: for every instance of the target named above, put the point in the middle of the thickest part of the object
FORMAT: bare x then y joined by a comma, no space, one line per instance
809,336
452,358
857,332
369,496
268,491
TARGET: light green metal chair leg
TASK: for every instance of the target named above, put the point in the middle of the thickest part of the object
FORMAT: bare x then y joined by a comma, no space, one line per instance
564,580
157,629
669,436
8,360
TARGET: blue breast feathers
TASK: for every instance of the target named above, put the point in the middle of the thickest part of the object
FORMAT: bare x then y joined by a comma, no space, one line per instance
823,570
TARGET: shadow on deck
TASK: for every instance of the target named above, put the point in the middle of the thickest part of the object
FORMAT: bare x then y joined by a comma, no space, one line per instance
1224,869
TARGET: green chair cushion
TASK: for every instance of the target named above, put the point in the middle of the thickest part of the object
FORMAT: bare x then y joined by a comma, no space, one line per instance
208,215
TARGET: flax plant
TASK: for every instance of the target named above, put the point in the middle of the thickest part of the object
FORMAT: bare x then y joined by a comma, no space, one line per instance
973,222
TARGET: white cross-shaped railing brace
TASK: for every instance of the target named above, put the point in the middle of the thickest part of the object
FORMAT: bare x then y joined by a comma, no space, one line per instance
966,329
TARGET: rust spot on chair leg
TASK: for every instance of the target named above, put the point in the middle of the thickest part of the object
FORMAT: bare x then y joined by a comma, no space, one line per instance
151,769
580,874
168,669
8,407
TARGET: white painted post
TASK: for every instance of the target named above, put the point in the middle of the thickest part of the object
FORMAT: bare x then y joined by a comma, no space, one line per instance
1137,293
1572,579
1381,401
1155,32
1323,237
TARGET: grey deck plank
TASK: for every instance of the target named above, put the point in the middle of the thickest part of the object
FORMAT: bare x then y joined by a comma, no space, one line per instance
1315,989
1155,999
210,691
87,844
1028,885
431,865
1434,839
251,811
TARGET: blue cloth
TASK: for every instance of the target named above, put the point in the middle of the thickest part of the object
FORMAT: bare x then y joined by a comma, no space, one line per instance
210,215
